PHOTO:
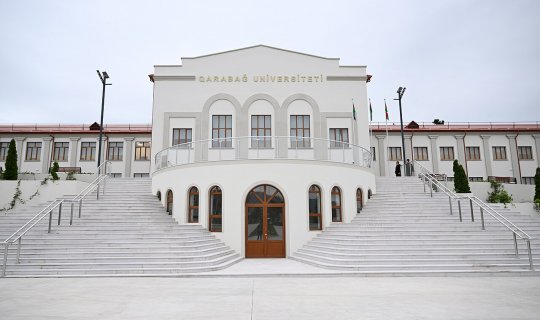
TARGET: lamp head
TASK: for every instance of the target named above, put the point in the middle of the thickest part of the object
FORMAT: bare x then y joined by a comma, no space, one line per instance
399,90
105,75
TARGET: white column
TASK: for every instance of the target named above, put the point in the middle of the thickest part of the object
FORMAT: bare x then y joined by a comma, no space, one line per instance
46,154
20,153
487,155
73,154
434,153
514,156
537,144
382,160
461,150
128,142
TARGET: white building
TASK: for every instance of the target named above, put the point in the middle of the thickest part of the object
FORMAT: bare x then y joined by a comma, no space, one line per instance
259,145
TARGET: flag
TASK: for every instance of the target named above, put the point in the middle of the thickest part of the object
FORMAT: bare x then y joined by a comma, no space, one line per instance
386,110
370,111
353,111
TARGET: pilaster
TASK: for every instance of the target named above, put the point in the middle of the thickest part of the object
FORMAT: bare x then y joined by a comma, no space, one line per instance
74,147
128,141
381,156
434,156
487,155
516,172
537,145
45,162
20,153
460,139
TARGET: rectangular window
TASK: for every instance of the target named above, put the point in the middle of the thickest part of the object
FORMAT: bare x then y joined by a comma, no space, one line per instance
394,154
221,131
142,150
141,175
33,151
499,153
4,146
373,157
447,154
88,151
115,152
115,175
182,136
300,131
476,179
525,153
339,138
421,153
527,180
472,153
61,151
261,131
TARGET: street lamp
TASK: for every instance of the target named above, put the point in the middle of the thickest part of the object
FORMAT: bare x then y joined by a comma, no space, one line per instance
103,76
401,92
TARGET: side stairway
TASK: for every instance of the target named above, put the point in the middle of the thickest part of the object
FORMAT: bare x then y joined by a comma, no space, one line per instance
403,230
125,232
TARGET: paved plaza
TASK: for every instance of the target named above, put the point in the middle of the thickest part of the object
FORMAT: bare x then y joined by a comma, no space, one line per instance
260,295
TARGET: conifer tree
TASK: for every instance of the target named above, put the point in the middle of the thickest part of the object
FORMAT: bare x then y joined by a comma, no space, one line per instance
537,184
11,162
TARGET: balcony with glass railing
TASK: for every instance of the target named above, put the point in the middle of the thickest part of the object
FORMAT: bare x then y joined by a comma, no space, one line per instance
263,148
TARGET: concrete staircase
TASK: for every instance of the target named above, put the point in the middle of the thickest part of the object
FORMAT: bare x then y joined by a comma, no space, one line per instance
127,232
403,230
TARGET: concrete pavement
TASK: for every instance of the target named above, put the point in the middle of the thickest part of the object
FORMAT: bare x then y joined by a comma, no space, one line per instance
271,298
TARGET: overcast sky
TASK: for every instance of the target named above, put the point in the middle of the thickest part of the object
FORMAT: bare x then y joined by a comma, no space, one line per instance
461,61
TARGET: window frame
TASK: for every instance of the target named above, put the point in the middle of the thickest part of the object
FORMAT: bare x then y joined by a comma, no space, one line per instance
180,142
193,191
143,150
63,150
300,141
335,207
499,153
88,148
255,129
472,153
527,155
4,148
117,151
392,153
215,191
424,156
444,153
227,129
33,151
318,195
336,135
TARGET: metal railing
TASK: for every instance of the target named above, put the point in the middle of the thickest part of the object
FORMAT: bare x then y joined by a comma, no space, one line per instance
49,210
263,147
429,179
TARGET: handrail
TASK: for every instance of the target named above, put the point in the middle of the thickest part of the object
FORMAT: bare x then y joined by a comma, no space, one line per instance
48,210
263,147
516,231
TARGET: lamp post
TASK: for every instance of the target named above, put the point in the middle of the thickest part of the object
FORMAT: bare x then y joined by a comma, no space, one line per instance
400,92
103,76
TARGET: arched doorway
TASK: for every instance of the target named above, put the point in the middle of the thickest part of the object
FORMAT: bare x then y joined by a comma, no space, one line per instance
359,200
265,223
169,202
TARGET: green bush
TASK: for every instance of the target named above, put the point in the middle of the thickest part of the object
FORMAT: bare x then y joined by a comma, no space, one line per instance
498,195
461,182
12,170
54,170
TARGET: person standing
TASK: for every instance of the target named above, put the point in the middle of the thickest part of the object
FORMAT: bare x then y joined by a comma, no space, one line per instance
398,169
409,168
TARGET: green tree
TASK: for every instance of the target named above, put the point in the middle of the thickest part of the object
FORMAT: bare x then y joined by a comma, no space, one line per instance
498,195
12,170
461,183
54,170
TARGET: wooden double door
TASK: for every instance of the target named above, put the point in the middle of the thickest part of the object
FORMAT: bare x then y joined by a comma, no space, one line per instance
265,223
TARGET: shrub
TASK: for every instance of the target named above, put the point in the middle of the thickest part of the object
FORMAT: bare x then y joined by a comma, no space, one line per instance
537,184
54,170
461,183
11,162
498,195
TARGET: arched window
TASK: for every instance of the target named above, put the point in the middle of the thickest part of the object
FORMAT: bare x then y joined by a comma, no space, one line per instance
336,204
369,194
315,219
359,200
193,216
169,206
215,207
158,195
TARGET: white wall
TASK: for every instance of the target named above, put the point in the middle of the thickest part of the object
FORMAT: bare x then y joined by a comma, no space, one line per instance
47,192
237,178
519,192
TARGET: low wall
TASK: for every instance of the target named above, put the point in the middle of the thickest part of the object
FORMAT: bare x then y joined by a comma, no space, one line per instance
47,192
519,192
85,177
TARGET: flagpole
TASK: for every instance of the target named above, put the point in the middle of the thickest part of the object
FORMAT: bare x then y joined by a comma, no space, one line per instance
387,141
